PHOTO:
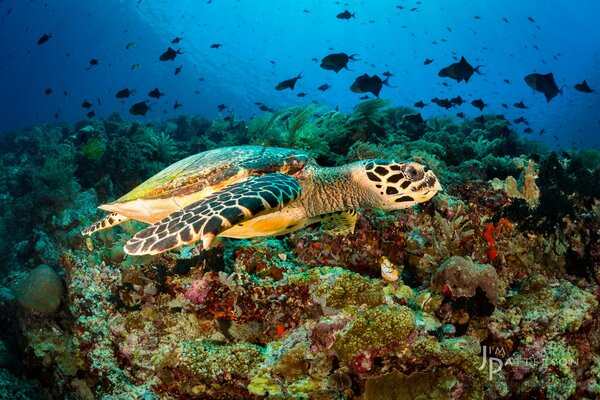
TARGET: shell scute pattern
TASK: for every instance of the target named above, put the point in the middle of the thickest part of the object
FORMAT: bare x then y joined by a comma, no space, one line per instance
211,216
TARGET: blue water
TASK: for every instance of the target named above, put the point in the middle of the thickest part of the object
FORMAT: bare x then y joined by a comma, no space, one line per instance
265,42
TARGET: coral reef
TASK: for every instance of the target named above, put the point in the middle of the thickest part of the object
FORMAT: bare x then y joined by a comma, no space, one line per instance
504,264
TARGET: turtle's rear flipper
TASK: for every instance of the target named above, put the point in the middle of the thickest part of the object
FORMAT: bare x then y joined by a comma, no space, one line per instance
107,222
339,223
206,218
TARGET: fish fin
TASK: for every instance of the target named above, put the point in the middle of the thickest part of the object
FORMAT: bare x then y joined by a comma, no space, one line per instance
210,216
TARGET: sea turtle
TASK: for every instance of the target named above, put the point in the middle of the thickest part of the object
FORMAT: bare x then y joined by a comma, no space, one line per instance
249,191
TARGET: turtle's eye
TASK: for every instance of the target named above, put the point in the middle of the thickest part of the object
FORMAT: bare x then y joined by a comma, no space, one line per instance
413,174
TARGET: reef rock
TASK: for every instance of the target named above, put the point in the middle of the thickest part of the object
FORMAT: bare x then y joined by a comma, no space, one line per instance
461,277
41,291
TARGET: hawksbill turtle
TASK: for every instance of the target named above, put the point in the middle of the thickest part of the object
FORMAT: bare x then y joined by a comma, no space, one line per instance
249,191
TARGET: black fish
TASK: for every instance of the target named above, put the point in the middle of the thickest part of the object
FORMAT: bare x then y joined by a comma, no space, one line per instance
124,93
288,83
528,130
155,93
215,45
543,83
86,104
93,61
520,105
583,87
177,105
221,107
176,40
91,114
323,87
140,108
264,108
520,120
48,91
43,39
478,103
170,54
387,73
460,114
337,61
178,69
459,71
457,100
445,103
365,97
301,94
346,15
427,61
369,84
419,104
416,119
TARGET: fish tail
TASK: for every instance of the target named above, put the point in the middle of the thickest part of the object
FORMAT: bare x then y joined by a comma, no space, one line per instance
354,59
386,82
353,15
476,69
180,51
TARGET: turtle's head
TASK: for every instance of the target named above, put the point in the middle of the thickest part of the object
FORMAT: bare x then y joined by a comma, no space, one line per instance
398,184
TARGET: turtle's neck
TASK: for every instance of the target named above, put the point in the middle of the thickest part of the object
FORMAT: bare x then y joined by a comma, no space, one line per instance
330,189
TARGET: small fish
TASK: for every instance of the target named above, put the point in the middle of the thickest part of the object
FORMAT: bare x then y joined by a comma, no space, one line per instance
135,67
177,105
457,100
124,93
215,45
520,105
170,54
178,69
129,45
221,107
583,87
416,118
94,61
346,15
419,104
543,83
91,114
478,103
140,108
365,97
389,271
460,114
337,61
445,103
427,61
86,104
288,83
264,108
301,94
387,74
506,81
531,19
505,20
48,91
520,120
155,93
459,71
176,40
323,87
369,84
528,130
44,38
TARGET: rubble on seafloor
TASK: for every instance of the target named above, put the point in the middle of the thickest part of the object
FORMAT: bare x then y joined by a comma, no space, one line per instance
485,270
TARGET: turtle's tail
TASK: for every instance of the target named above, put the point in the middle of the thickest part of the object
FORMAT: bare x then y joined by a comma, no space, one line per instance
109,221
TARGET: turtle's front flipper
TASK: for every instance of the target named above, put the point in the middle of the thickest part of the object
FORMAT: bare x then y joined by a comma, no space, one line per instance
109,221
339,223
206,218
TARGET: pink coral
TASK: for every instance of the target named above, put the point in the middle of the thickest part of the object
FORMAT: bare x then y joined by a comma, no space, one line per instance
197,293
